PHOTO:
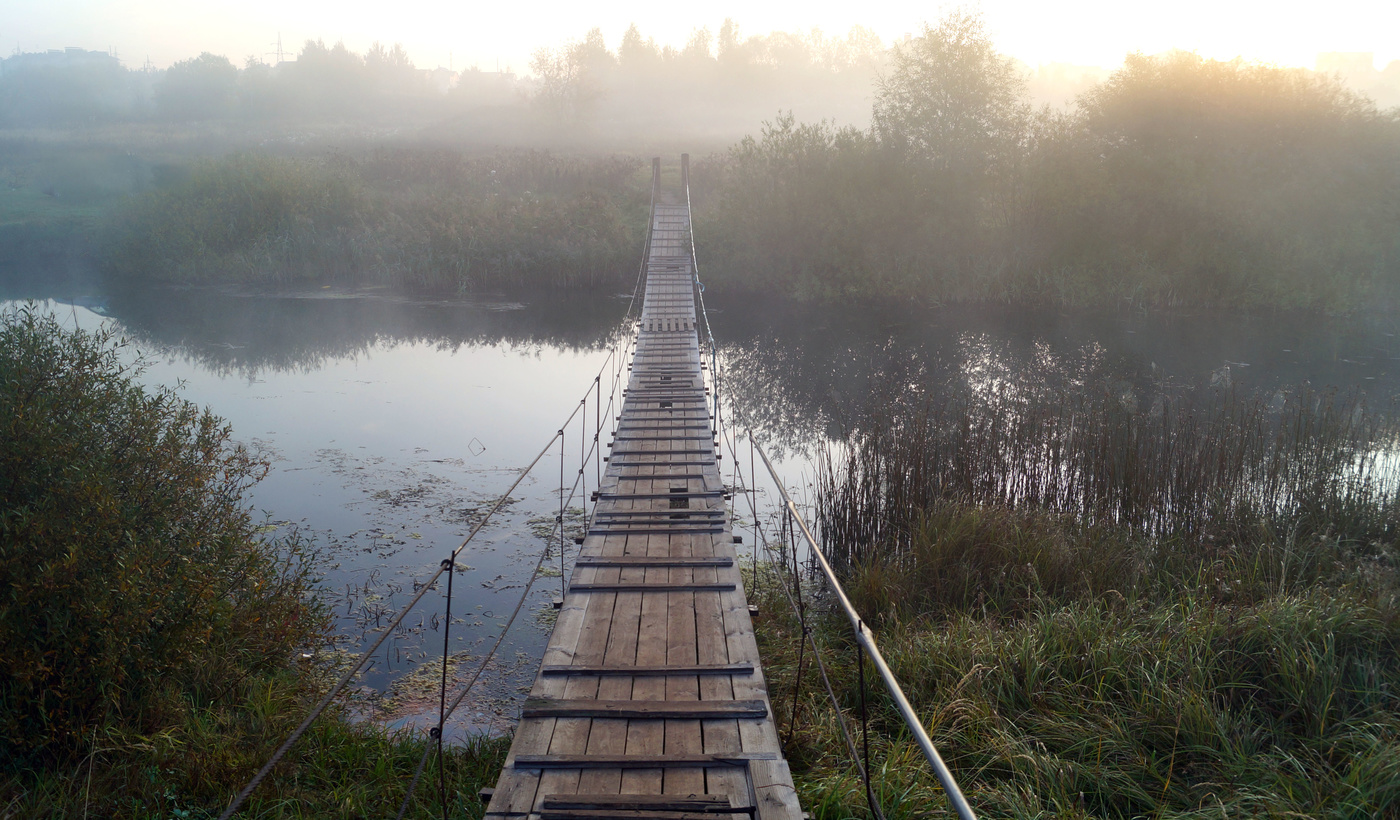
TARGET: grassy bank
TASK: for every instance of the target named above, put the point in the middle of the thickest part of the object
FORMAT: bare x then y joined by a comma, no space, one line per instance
1076,664
408,218
150,630
193,767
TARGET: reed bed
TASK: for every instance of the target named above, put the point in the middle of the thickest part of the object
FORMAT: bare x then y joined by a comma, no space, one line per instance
413,219
1205,465
1189,611
1180,708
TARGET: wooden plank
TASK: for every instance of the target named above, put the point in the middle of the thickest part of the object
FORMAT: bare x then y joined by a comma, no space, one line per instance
772,785
648,737
630,528
640,815
609,737
665,513
646,710
654,802
636,560
629,761
639,671
669,586
683,736
720,736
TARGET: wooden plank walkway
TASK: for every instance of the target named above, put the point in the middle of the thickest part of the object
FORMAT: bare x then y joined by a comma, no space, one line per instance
651,701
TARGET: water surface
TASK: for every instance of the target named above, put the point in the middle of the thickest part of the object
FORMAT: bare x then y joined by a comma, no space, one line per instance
390,424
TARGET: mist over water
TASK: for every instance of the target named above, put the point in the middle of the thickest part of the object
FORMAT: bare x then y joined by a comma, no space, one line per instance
391,423
316,249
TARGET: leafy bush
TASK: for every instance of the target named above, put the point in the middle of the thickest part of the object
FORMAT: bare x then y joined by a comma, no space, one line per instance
135,583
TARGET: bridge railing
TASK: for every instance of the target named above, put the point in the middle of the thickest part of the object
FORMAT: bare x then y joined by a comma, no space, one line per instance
615,367
865,638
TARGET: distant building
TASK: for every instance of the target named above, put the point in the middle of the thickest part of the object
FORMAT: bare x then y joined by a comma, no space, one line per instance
58,58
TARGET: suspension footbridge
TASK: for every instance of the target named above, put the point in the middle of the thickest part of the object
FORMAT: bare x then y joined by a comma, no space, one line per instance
650,702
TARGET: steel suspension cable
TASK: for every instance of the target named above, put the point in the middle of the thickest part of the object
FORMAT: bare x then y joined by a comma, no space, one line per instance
349,674
379,641
627,339
811,638
867,640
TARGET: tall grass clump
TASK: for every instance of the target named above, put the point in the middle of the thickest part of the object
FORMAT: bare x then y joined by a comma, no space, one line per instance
1187,611
243,215
1178,708
1207,465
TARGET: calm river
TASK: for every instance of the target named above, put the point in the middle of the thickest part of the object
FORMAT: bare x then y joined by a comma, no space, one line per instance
391,424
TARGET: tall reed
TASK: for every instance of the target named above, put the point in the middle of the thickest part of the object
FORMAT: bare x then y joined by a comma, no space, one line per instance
1203,465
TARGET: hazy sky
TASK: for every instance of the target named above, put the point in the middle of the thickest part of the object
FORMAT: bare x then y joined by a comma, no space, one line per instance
1091,32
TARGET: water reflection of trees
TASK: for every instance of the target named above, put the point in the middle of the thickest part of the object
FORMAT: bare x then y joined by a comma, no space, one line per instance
229,334
800,376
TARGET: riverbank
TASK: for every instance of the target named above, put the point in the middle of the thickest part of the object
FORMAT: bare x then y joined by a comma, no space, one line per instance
800,213
159,642
1098,612
416,217
1183,706
190,769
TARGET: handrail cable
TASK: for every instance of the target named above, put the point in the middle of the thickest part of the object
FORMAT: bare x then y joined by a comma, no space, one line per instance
811,637
345,679
700,286
447,712
383,636
629,339
864,636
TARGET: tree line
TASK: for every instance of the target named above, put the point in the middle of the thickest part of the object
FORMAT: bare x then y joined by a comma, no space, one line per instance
82,88
577,83
1178,180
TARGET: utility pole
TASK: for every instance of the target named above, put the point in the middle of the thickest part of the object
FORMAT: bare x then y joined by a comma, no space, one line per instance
280,54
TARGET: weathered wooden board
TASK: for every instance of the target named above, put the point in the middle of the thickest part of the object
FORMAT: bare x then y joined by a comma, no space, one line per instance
651,702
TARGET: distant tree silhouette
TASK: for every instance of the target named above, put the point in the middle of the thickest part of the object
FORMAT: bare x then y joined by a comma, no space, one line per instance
201,88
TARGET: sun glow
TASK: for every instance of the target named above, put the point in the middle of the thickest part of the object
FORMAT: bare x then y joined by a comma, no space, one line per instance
1081,32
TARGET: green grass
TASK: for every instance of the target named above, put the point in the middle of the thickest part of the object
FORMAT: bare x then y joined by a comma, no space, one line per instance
191,769
1145,658
1156,701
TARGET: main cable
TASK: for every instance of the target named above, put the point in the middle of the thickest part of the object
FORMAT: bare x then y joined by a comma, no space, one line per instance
320,707
379,641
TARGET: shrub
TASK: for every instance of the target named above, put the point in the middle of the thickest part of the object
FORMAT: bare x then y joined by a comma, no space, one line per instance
135,583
